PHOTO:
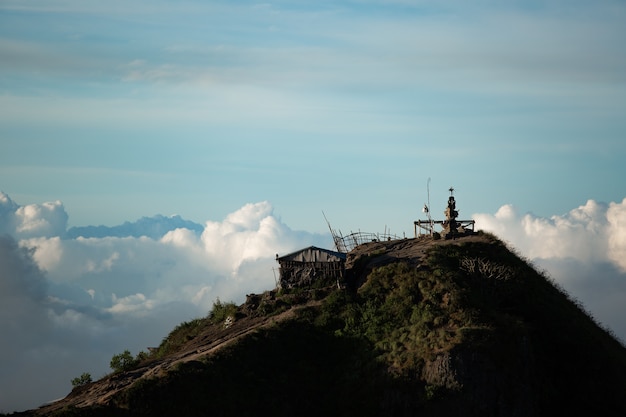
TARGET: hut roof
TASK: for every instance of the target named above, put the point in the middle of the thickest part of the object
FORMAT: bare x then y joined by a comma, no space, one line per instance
313,254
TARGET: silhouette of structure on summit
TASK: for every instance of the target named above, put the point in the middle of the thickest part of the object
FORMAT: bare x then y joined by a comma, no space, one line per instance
451,226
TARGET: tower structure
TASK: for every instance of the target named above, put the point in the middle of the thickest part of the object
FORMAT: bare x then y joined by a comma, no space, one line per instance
451,226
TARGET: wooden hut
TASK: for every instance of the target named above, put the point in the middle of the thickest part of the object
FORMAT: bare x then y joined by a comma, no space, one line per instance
311,266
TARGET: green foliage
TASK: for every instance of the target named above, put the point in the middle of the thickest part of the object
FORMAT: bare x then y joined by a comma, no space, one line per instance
141,357
408,315
432,391
221,311
84,379
123,362
332,310
411,315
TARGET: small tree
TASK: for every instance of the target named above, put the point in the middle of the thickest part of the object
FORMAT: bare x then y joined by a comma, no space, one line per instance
84,379
123,361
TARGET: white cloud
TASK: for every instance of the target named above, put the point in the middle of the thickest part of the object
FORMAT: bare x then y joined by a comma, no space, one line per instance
584,250
224,255
71,303
131,304
246,235
33,220
535,53
588,233
616,216
49,251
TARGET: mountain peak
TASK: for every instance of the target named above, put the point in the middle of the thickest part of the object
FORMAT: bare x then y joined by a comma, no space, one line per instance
421,326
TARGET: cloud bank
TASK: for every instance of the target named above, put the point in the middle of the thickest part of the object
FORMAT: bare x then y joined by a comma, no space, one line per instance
71,299
583,250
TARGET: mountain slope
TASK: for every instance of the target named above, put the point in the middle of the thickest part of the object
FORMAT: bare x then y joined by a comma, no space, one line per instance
428,327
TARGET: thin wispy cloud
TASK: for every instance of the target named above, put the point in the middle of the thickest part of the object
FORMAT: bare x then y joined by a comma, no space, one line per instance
417,49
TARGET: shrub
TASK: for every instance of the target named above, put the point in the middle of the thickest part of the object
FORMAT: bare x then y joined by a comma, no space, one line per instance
221,310
142,356
123,361
84,379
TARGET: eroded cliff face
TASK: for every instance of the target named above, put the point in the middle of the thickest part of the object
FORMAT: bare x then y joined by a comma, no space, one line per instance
480,384
467,382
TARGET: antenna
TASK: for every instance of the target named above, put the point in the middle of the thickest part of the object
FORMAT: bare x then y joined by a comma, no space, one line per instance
427,207
428,191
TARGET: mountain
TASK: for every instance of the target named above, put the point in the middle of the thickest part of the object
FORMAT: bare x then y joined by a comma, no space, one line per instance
460,327
154,227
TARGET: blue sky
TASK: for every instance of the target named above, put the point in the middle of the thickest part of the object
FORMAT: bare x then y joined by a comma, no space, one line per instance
250,119
127,109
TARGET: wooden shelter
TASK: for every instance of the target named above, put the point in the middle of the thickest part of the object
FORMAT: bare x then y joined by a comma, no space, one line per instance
310,266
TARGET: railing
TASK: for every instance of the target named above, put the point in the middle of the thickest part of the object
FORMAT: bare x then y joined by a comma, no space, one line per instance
346,243
428,226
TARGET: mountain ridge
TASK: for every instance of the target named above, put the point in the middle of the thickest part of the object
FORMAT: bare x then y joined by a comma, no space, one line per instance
436,327
154,227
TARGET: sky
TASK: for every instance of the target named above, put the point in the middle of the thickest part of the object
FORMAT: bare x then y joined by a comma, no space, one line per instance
157,155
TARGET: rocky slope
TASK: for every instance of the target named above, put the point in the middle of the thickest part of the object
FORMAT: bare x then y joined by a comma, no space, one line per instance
423,326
